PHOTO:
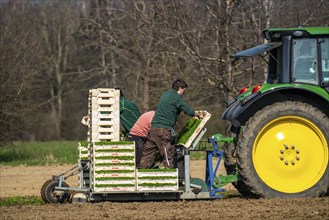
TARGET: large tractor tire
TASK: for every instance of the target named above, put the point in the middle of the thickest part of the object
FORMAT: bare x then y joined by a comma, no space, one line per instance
230,164
283,151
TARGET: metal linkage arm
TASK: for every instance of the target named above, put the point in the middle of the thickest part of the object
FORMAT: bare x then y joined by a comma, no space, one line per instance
210,172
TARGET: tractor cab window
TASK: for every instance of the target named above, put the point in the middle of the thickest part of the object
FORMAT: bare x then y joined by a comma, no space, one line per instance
305,61
325,60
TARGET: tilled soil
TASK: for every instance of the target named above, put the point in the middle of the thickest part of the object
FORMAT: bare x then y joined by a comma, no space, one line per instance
27,181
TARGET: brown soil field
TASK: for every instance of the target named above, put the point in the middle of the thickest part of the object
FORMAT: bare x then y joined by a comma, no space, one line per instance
27,181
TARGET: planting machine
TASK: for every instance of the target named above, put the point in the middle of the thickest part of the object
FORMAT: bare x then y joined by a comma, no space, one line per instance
107,170
277,145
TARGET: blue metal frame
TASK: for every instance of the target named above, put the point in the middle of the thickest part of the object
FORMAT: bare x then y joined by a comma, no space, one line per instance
210,172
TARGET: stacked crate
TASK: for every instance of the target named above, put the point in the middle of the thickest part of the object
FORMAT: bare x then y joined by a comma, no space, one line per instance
83,151
104,112
103,125
84,157
114,166
157,179
112,162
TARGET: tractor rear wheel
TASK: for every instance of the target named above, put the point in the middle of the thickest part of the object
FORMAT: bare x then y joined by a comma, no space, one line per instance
230,164
283,151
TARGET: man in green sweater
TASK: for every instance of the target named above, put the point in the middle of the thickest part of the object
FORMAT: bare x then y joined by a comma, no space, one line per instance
162,133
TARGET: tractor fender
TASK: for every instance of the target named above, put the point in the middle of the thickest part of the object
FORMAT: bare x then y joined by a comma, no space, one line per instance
241,110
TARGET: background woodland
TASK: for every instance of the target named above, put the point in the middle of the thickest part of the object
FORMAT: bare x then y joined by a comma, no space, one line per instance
53,51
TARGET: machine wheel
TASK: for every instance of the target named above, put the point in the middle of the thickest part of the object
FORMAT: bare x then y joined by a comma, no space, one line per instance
51,195
43,190
78,197
283,151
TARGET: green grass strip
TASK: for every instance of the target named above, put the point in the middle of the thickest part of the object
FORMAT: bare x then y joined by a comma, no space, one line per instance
36,153
114,185
115,150
114,171
115,178
157,177
115,157
157,184
21,200
189,128
157,170
100,143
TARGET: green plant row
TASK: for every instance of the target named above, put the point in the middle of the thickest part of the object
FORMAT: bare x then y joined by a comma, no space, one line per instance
100,143
115,150
84,143
114,185
157,177
114,171
157,184
189,128
116,164
157,170
115,157
115,178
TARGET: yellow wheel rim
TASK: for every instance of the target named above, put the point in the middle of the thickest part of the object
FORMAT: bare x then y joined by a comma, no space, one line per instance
290,154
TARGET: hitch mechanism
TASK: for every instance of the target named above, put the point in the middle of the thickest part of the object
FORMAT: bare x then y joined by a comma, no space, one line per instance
220,138
214,182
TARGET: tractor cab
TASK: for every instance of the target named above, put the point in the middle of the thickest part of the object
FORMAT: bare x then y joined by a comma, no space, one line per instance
299,55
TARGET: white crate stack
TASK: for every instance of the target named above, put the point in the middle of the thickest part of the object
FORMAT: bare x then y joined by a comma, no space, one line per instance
104,112
114,167
157,180
113,164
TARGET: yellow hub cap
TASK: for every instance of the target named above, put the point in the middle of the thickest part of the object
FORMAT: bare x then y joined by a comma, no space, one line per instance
290,154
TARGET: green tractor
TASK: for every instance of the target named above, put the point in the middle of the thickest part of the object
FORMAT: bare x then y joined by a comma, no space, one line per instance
281,128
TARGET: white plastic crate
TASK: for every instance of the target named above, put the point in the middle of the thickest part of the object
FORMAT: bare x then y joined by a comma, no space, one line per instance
132,174
115,181
114,188
160,179
157,172
83,151
115,167
100,92
155,181
206,117
114,154
160,188
105,128
114,146
114,161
